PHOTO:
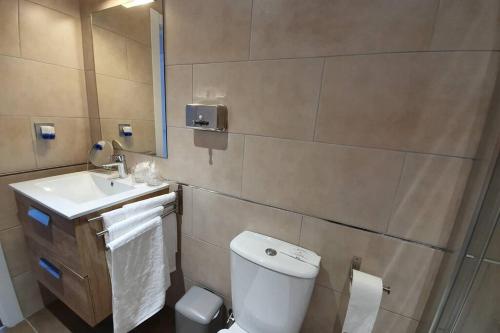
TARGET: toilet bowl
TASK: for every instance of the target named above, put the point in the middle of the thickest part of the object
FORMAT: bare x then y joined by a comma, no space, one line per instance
271,284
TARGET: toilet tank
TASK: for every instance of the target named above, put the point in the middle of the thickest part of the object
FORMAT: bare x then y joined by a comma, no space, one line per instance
271,283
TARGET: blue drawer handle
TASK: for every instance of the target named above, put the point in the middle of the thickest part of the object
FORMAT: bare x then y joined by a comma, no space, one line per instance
49,268
39,216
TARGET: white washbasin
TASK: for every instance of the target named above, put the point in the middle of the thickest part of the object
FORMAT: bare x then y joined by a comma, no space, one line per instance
80,193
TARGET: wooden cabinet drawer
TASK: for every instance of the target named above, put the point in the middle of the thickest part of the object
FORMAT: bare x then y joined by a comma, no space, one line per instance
65,284
55,233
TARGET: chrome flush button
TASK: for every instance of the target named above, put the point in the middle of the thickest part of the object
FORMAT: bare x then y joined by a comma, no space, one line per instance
271,252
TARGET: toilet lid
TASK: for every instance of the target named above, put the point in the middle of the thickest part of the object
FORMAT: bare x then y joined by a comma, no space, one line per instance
233,329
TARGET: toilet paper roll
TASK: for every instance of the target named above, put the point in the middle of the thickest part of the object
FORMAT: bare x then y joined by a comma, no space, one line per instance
365,294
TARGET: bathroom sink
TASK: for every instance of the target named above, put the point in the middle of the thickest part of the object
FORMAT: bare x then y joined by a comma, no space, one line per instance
80,193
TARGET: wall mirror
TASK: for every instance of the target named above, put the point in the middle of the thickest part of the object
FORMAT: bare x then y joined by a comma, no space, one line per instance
129,60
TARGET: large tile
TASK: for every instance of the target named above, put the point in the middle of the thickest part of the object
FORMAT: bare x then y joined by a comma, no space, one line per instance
119,98
345,184
45,322
210,160
467,25
17,152
206,264
132,23
22,327
9,28
390,322
207,31
426,102
428,198
272,98
481,312
218,219
15,250
28,293
286,29
409,269
179,93
322,314
70,7
110,53
71,145
493,251
33,88
50,36
139,62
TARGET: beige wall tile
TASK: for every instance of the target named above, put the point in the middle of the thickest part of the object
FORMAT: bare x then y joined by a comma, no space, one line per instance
297,28
467,25
139,62
322,314
28,293
33,88
50,36
8,219
15,250
271,98
425,102
428,198
345,184
218,219
17,152
390,322
206,264
409,269
206,159
71,7
179,93
132,23
9,28
110,53
207,31
71,145
120,98
493,251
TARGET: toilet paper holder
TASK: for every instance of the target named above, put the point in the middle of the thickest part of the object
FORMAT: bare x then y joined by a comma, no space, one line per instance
356,264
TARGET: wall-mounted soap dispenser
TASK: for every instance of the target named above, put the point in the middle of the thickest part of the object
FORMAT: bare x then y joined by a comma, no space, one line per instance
45,131
206,117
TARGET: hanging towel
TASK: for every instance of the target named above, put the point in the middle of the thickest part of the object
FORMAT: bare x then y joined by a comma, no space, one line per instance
112,217
137,272
140,206
169,223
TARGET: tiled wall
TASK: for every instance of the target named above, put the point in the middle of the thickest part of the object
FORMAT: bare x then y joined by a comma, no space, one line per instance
365,113
41,80
122,54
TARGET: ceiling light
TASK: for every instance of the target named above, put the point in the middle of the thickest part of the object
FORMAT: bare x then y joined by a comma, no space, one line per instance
133,3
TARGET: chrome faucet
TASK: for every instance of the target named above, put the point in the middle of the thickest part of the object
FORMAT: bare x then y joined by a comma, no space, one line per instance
120,164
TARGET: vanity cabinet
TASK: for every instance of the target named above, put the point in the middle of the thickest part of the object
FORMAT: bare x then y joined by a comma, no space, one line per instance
68,258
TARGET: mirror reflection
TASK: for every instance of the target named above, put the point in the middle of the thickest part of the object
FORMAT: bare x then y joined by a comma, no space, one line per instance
128,49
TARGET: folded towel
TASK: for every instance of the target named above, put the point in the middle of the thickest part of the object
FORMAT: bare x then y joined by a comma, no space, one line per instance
112,217
138,280
140,206
118,229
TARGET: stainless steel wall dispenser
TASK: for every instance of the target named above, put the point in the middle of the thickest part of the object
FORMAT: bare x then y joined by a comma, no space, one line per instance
206,117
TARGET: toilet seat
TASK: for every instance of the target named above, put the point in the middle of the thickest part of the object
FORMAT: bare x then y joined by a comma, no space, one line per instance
233,329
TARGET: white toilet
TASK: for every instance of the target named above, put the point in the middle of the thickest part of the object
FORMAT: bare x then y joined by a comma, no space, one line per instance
271,284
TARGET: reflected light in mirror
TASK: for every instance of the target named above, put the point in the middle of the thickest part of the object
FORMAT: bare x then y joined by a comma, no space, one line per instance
133,3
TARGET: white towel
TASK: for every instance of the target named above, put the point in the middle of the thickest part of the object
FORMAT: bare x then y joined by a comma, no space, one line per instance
112,217
138,278
147,204
169,223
